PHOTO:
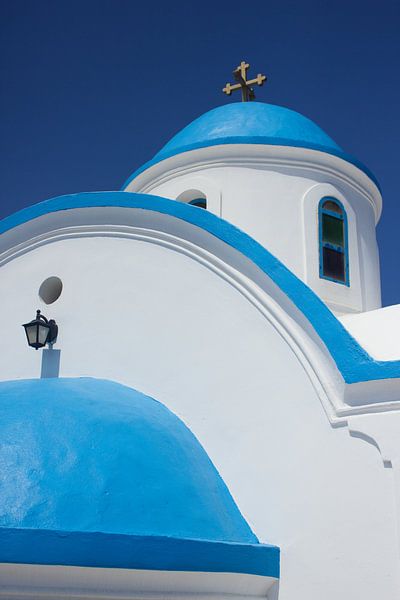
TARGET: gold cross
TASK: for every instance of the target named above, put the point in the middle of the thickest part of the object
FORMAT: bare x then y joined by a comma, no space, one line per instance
240,74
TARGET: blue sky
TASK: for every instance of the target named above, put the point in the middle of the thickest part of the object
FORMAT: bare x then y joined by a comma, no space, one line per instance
93,89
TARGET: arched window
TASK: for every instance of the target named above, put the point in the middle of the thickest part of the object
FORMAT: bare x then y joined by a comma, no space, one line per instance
333,247
200,202
193,197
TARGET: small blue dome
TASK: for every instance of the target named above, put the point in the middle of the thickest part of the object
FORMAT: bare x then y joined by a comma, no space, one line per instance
84,457
251,123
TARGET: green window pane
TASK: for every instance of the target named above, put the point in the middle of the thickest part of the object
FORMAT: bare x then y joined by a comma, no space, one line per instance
332,230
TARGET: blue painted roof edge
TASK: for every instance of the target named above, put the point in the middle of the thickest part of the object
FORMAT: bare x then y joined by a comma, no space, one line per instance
118,551
353,362
252,140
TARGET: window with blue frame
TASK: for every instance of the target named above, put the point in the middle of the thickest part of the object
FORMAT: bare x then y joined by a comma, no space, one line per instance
333,248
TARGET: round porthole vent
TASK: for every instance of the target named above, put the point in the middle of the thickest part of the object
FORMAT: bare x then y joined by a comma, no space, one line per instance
50,290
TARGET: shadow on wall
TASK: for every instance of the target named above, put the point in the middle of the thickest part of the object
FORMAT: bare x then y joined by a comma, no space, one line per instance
50,363
273,592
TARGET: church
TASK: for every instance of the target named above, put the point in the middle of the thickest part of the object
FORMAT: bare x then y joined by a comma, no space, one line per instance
200,389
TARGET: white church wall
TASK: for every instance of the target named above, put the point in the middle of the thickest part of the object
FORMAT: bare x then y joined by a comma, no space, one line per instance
276,202
152,317
369,256
378,331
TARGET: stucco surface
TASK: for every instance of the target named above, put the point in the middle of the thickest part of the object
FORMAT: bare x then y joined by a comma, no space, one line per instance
378,331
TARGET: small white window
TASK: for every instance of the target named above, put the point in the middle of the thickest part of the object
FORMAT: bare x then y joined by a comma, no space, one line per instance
193,197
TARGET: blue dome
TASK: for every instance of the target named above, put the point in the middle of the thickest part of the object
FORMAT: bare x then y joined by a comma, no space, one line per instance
251,123
83,458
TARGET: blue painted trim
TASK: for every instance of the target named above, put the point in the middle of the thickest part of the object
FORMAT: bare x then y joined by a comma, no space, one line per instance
103,550
353,362
345,250
252,140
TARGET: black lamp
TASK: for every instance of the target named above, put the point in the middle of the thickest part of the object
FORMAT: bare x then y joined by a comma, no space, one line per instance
40,331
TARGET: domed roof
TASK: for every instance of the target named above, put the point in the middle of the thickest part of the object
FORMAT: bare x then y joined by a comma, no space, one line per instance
84,457
251,123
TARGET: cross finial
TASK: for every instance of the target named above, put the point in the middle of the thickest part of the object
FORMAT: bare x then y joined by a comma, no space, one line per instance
240,74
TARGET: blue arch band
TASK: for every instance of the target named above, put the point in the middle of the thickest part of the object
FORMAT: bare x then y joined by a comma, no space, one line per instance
102,550
353,362
253,140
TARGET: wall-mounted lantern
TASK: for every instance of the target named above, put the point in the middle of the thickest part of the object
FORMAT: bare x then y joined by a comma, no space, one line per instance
40,331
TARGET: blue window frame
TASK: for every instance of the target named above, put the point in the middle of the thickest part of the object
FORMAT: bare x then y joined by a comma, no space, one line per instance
333,242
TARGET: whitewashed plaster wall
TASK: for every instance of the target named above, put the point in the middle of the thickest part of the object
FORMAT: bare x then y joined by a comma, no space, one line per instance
149,315
273,193
378,331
